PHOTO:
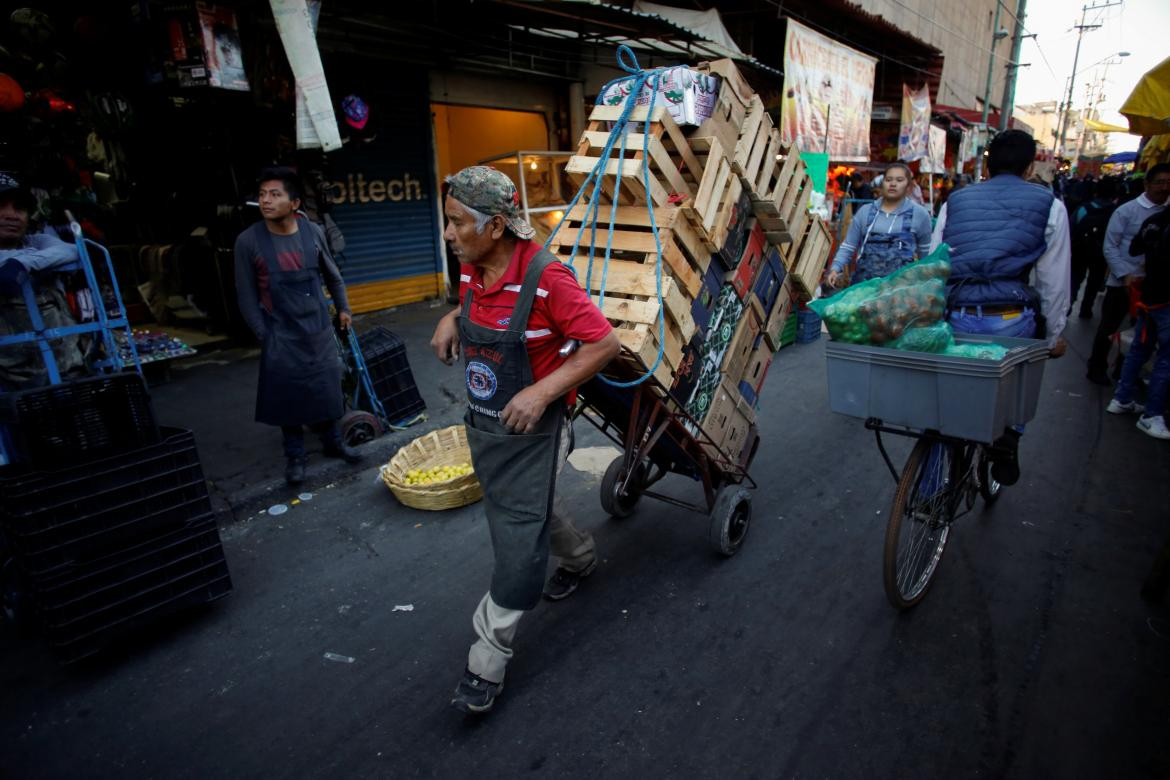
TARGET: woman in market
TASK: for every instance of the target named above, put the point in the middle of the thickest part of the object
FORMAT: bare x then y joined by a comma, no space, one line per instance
886,234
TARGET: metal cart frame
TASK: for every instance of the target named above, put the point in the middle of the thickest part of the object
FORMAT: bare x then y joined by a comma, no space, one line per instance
658,437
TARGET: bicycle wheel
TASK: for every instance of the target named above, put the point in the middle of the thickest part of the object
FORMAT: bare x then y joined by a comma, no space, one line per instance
920,521
989,486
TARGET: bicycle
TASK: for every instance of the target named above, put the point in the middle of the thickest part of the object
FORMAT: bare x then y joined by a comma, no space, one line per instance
942,475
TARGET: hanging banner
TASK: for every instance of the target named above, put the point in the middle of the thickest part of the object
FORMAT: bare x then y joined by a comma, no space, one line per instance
915,133
221,46
307,137
828,95
935,160
295,28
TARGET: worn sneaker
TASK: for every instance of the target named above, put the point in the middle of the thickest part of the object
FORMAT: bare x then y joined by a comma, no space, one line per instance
1117,407
1005,462
294,471
1154,426
563,582
474,694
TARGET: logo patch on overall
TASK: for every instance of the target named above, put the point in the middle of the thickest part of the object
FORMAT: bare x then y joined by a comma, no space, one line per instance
481,381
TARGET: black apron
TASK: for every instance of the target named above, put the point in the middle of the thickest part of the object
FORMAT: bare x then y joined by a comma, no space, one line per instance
517,470
300,370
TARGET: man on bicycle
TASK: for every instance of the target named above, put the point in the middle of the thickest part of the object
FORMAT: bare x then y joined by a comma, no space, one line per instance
1010,262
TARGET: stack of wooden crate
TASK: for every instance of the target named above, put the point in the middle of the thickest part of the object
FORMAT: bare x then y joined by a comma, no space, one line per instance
737,243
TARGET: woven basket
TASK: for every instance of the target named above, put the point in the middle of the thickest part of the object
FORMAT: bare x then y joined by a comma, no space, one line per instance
444,447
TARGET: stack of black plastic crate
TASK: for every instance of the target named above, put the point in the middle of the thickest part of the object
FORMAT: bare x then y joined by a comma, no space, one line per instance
107,515
390,373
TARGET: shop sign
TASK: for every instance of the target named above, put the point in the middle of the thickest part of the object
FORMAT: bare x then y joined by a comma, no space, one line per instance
828,95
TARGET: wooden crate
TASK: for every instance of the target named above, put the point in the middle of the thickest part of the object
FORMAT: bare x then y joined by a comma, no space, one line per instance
715,201
684,254
784,213
809,261
674,169
753,137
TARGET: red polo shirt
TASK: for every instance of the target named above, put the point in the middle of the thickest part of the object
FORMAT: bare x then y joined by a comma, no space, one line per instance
561,311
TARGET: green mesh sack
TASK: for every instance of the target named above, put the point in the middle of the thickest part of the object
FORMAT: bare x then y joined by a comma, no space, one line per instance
977,351
930,338
879,311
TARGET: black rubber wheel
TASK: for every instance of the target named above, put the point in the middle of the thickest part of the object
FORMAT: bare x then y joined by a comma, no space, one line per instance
920,521
620,504
730,519
358,427
989,487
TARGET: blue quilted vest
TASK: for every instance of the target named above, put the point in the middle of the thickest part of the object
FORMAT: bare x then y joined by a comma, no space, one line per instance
996,233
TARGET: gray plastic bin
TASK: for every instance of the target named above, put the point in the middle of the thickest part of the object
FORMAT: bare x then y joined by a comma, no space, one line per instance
963,397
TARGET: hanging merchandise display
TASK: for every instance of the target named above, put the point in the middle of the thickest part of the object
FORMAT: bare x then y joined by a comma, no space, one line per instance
913,139
828,95
222,50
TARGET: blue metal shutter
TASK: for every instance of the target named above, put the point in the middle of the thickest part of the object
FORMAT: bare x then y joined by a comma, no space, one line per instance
394,233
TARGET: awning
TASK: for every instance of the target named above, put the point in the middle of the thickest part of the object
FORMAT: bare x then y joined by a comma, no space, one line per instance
1148,107
1104,127
1120,157
974,116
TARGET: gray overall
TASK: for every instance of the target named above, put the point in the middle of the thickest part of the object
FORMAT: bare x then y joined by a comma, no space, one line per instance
300,370
883,253
517,470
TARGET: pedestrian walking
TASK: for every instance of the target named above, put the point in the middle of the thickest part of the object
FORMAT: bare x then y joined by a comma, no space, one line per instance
884,235
281,262
521,315
1089,224
1152,332
1124,267
1010,263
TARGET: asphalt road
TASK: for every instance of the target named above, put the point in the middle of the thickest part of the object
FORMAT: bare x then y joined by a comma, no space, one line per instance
1031,657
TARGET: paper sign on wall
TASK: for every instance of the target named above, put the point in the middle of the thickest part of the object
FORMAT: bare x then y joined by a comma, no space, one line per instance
295,27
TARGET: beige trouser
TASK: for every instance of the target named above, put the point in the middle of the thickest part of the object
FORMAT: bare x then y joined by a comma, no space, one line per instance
495,626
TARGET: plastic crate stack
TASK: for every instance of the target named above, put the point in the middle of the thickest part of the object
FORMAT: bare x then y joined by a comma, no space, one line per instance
108,516
390,374
738,242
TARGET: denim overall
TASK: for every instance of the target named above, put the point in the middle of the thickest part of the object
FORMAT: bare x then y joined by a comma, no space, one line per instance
883,253
517,470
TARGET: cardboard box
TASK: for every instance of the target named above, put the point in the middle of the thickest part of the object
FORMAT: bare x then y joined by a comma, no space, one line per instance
704,304
744,275
686,376
749,395
778,315
738,429
688,95
769,279
730,109
735,359
757,365
738,229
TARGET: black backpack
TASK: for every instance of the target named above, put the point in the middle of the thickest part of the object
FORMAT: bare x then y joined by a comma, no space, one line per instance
1088,235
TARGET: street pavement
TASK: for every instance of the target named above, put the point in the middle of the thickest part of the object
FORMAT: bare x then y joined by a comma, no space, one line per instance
1031,657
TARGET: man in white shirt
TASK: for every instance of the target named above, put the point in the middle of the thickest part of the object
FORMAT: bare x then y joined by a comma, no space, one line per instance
1124,268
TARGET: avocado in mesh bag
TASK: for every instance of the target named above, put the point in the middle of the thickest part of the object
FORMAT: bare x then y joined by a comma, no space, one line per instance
879,311
930,338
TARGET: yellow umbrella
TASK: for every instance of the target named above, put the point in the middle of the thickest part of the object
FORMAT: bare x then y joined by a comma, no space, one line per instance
1148,107
1156,150
1104,127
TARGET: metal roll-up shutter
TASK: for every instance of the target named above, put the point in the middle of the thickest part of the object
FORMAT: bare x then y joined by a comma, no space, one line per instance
383,196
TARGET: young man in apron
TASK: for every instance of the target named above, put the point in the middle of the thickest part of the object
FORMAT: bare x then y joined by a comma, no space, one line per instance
281,262
884,235
519,307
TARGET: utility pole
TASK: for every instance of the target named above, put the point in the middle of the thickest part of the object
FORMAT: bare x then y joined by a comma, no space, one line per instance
1013,69
1076,58
995,37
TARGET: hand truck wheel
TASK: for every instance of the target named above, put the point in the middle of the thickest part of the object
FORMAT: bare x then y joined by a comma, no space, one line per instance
730,519
618,503
359,427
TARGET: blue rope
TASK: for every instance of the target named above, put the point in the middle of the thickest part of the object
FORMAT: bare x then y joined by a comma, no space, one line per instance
621,128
